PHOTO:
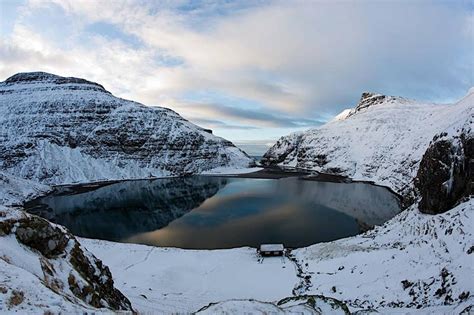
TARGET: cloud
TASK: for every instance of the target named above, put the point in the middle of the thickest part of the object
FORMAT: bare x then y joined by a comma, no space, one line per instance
287,63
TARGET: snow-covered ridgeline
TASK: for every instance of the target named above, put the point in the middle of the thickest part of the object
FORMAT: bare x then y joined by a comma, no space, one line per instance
382,139
58,130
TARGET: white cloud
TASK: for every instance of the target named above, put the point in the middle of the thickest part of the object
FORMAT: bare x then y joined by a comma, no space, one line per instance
305,59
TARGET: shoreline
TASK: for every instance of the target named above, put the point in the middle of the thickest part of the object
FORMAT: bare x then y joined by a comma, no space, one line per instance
265,173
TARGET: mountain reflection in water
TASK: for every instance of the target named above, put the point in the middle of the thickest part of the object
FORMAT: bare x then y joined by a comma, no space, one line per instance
220,212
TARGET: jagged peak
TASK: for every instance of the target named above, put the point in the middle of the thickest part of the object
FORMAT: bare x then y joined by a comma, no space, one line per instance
369,99
39,76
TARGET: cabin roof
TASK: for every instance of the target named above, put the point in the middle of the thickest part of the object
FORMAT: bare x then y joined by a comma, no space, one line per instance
271,247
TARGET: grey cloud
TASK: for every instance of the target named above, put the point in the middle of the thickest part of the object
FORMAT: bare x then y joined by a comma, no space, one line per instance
212,123
261,117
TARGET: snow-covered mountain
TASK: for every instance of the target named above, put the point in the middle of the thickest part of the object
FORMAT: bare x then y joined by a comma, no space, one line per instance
382,139
59,130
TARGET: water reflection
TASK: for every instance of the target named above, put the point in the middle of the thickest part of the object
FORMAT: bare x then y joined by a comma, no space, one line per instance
217,212
118,211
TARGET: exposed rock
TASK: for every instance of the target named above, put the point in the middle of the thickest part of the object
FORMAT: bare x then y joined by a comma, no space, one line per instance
83,133
446,172
16,298
368,99
285,148
58,253
41,235
305,304
319,302
99,283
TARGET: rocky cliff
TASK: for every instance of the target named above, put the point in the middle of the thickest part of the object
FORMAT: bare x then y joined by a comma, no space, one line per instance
446,174
382,139
59,130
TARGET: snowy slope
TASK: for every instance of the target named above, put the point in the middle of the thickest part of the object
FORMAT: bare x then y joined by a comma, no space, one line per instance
14,190
58,130
167,280
382,139
414,259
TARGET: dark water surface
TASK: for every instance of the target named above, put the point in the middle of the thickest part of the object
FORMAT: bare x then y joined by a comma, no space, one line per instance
219,212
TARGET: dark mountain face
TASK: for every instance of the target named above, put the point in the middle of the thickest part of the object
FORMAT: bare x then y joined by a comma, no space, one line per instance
446,173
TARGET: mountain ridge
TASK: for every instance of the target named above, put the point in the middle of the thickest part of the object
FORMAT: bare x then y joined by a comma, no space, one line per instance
83,133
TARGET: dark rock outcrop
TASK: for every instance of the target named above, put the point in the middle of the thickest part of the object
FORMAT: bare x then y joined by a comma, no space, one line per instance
368,99
446,172
59,253
39,234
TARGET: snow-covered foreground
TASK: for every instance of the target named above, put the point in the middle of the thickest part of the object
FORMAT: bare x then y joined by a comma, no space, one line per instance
176,280
414,260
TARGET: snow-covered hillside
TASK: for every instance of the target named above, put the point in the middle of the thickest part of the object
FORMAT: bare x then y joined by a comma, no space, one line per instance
58,130
14,190
382,139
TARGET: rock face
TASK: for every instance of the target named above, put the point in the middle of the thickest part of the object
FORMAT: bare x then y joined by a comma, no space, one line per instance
59,130
382,139
51,254
446,172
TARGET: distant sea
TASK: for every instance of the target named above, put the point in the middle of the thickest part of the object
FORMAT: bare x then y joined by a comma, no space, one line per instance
256,157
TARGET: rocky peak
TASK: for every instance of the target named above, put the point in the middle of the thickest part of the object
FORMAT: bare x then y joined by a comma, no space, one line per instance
45,77
368,99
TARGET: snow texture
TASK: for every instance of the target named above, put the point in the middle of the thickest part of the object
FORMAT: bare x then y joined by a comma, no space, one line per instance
414,259
58,130
14,191
381,140
34,280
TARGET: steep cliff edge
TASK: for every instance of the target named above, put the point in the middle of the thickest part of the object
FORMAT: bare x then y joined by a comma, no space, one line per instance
58,130
446,174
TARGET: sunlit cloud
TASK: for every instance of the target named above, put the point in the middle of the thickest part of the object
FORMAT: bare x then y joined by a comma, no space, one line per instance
275,66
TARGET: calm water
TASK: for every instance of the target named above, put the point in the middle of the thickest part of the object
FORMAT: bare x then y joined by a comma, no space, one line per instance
219,212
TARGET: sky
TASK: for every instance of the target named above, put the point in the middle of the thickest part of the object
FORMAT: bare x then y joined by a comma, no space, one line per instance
252,71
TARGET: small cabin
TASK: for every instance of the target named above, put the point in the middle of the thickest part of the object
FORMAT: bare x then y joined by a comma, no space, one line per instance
271,250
